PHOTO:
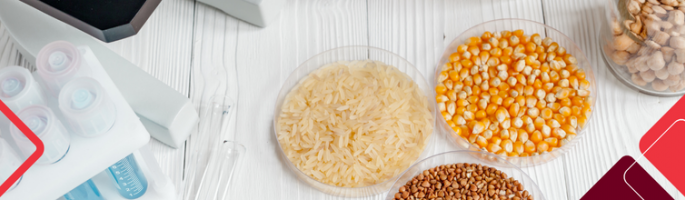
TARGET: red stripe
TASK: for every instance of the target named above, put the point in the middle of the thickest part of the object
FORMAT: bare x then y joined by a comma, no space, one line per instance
32,159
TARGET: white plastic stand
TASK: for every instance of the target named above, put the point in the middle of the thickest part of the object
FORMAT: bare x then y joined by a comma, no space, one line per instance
89,157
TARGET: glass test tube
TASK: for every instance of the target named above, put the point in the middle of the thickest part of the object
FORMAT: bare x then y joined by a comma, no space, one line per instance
9,162
43,122
18,89
129,179
59,62
85,191
87,107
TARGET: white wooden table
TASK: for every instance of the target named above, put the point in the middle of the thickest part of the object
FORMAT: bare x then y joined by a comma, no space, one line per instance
183,35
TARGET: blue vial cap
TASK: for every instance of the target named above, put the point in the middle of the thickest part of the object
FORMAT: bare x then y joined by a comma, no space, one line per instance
58,61
11,86
36,124
81,98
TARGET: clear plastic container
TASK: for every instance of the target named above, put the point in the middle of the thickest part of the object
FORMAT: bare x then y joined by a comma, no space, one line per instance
43,122
529,27
18,89
58,63
644,45
350,53
472,157
9,162
87,107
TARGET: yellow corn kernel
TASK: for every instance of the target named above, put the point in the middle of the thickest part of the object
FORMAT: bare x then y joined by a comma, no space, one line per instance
522,135
546,113
487,134
539,122
546,131
573,121
504,134
514,109
530,128
460,110
472,99
507,145
491,109
472,107
461,102
454,57
449,84
513,154
569,129
480,114
497,100
478,127
582,120
533,112
552,47
536,136
453,75
529,146
481,141
553,123
452,95
514,40
542,104
451,124
459,120
531,101
575,110
513,134
482,104
493,147
441,98
506,124
563,93
473,137
495,140
442,76
451,107
521,100
555,107
457,130
501,114
462,48
468,115
508,101
565,102
560,118
518,147
542,146
565,111
446,116
440,89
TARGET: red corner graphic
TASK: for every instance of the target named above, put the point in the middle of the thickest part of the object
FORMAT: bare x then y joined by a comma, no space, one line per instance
662,144
31,159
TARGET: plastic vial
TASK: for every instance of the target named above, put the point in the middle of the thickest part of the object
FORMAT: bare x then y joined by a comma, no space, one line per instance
129,179
9,162
87,107
18,89
59,62
85,191
42,121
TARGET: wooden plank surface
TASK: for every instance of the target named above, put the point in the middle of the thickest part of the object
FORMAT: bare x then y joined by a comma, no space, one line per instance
183,37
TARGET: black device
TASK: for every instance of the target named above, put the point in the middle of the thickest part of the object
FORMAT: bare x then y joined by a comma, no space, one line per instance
106,20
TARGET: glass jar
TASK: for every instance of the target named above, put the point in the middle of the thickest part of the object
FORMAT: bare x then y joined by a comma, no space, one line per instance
643,43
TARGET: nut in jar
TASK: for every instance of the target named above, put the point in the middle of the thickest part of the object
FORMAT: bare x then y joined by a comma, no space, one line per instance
649,41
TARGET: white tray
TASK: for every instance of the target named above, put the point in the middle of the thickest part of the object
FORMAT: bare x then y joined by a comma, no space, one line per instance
87,157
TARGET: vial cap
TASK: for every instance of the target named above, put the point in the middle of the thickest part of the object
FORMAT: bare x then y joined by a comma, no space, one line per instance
81,99
36,124
58,61
11,86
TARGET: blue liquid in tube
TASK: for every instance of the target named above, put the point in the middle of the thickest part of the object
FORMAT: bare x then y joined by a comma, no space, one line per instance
128,178
85,191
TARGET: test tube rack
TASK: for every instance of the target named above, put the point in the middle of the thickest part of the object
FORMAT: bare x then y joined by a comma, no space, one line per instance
88,158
